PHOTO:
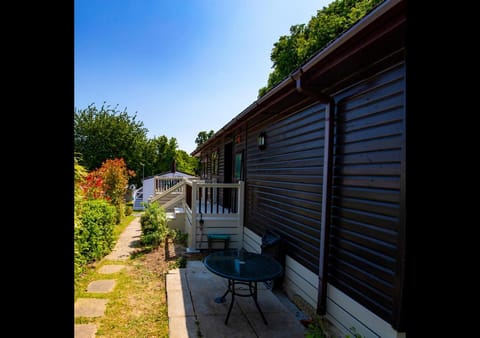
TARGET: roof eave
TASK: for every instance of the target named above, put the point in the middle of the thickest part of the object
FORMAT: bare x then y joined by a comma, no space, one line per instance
368,19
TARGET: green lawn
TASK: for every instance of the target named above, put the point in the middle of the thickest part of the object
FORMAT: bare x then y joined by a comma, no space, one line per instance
137,305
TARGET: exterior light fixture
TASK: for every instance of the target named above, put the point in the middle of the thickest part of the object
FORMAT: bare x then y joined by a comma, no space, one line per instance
261,140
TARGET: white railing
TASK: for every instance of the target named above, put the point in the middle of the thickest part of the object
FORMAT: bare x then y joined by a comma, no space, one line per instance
177,189
210,208
138,199
162,183
138,194
213,208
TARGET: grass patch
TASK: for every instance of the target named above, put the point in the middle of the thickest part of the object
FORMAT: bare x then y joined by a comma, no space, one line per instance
136,307
90,268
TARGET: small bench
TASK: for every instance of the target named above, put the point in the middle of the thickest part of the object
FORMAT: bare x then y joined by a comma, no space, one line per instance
218,238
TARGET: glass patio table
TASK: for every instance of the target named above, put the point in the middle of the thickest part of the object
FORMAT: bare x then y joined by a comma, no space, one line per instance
244,268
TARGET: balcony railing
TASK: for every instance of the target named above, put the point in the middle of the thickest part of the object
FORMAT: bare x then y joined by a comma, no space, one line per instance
166,189
219,206
165,183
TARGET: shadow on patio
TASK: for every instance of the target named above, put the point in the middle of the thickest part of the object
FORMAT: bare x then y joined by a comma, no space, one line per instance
192,311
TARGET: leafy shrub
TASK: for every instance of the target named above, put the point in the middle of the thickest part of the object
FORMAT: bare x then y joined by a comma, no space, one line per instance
80,261
94,233
314,332
115,179
154,225
120,212
128,210
355,333
180,263
316,328
178,236
109,182
79,174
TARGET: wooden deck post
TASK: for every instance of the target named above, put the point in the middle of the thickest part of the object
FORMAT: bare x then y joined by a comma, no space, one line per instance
193,229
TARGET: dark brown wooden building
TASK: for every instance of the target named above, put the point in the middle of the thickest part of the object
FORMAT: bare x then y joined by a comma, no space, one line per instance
330,177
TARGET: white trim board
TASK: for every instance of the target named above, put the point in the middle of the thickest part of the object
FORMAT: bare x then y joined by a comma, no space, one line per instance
342,310
299,280
251,241
347,313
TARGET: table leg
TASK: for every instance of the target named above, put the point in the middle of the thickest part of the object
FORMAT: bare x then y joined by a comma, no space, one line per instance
231,286
221,299
252,286
254,293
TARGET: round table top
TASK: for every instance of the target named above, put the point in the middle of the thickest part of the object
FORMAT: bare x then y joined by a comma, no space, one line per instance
243,266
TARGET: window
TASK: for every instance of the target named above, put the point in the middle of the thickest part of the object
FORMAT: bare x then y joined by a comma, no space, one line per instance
239,166
215,162
204,167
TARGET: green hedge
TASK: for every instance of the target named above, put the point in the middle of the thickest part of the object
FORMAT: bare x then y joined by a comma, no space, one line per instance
94,233
128,210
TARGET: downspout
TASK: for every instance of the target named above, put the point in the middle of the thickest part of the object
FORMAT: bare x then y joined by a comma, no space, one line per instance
326,189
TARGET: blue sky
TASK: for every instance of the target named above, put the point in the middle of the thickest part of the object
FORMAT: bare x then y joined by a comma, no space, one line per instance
180,66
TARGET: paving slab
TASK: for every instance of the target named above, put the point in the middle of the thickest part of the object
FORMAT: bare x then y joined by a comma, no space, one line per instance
201,285
107,269
198,277
182,327
179,303
175,271
204,302
213,326
90,307
128,242
280,325
266,299
174,281
245,321
101,286
85,330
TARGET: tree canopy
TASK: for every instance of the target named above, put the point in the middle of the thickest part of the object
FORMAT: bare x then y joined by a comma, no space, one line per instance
291,51
186,163
106,133
203,136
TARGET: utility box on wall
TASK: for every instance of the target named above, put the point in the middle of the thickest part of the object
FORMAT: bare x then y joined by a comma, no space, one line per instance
273,246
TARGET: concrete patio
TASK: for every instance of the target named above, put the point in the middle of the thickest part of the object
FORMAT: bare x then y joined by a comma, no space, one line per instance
192,311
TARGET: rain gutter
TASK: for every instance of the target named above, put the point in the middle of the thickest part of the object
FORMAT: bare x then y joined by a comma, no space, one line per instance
261,104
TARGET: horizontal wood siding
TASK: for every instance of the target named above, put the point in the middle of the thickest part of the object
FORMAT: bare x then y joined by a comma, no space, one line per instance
219,225
284,181
364,232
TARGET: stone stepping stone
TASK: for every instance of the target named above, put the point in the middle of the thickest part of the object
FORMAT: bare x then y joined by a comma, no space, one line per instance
101,286
85,330
106,269
90,307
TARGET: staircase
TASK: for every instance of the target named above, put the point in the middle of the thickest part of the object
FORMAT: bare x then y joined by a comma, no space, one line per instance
176,219
168,199
138,199
172,201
